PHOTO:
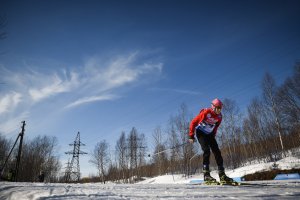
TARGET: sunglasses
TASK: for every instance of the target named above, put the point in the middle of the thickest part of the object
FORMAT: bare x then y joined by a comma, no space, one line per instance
218,109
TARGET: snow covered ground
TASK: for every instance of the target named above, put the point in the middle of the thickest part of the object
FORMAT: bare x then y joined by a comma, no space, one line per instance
267,190
163,187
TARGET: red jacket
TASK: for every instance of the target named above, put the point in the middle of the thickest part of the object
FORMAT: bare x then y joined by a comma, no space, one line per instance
206,121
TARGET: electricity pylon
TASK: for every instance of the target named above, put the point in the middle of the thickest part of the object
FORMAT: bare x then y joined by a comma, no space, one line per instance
72,173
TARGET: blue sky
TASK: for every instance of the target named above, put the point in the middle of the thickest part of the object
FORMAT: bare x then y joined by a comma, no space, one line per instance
102,67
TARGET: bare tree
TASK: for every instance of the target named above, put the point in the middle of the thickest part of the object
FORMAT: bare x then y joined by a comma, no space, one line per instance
100,159
256,129
173,141
271,102
289,94
160,155
230,130
179,128
136,152
4,150
141,153
183,124
121,153
132,142
39,156
251,128
289,104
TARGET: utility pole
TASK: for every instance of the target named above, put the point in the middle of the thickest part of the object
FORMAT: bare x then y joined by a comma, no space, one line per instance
20,151
16,171
73,169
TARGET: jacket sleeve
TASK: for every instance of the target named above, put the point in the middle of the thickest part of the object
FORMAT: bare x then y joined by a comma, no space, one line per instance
199,118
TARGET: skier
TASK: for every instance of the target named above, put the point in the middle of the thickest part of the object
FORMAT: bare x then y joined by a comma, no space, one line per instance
41,176
206,124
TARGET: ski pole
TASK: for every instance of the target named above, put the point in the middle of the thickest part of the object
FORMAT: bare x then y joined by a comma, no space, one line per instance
169,149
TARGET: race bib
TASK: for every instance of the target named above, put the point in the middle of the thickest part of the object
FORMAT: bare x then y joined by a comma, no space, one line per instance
206,128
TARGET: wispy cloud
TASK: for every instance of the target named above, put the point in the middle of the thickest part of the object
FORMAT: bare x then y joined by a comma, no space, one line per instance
100,78
118,72
96,80
13,123
176,90
9,102
91,99
54,85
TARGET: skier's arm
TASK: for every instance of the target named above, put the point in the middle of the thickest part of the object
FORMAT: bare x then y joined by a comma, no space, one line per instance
216,127
199,118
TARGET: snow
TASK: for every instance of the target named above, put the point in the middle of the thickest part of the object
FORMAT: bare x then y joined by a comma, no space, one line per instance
163,187
284,164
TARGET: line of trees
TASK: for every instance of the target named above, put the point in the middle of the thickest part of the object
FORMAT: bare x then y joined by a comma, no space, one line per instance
130,154
271,126
39,158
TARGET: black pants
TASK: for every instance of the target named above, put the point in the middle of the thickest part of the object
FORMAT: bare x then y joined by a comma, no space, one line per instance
208,142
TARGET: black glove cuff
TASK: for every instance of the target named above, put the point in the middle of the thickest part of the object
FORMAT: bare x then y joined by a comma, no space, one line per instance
192,137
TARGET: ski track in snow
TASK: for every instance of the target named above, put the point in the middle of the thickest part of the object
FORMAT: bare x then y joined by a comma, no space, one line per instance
54,191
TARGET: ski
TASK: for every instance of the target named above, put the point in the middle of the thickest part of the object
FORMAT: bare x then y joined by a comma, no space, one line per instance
211,183
233,183
218,183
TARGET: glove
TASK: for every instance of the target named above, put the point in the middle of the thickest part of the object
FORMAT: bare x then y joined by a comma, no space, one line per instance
192,139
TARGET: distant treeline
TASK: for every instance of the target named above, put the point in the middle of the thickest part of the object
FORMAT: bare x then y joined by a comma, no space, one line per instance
39,159
267,131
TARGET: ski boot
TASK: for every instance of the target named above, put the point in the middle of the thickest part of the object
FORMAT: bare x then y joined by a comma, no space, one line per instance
209,180
225,180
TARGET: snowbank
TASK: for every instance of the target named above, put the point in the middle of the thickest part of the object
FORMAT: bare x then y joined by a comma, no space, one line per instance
284,164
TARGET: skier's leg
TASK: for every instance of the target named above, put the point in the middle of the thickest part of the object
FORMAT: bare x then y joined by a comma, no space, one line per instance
216,151
204,143
219,159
